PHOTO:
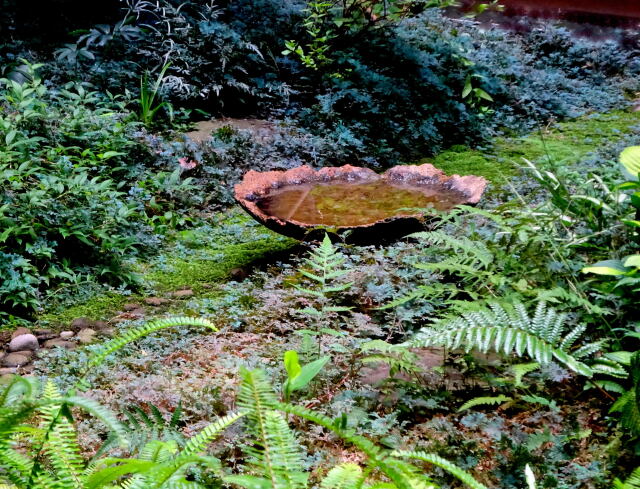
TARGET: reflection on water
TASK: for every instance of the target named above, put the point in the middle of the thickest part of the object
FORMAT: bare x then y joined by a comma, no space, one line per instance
352,204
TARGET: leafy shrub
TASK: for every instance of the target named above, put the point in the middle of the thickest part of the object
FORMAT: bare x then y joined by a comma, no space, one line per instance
403,89
69,207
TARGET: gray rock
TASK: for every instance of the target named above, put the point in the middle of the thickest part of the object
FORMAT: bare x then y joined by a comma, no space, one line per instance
20,331
26,353
59,343
155,301
7,372
44,334
65,335
24,342
81,323
100,325
86,335
131,306
182,294
15,360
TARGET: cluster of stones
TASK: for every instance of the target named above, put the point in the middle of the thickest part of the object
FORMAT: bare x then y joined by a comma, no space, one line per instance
25,343
23,346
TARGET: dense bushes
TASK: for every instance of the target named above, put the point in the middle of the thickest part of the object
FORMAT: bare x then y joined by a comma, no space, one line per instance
68,207
402,93
393,91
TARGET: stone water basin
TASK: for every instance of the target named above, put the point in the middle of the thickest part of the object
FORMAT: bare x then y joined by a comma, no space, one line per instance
359,205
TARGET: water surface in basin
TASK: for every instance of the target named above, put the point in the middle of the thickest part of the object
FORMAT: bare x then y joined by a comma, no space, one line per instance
352,204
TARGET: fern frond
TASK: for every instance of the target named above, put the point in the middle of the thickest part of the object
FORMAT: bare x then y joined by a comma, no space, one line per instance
199,442
134,334
343,476
468,250
522,369
63,452
100,412
507,331
256,396
279,458
378,458
484,401
444,464
631,482
159,451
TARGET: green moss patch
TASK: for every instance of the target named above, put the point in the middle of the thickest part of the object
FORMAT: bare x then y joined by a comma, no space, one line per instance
216,265
101,306
563,144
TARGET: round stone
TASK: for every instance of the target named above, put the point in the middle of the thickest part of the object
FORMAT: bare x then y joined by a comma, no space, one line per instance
24,342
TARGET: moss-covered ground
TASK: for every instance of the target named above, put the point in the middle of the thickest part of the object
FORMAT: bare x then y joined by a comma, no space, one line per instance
563,143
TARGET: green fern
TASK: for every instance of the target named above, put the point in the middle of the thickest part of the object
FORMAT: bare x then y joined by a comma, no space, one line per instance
484,401
628,404
513,331
631,482
277,460
444,464
343,476
123,339
50,456
325,270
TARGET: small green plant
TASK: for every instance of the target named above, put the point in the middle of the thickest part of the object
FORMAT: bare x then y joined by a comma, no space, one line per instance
543,336
39,448
299,376
149,94
324,269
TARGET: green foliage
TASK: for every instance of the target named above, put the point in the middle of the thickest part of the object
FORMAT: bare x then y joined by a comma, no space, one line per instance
484,401
628,404
631,482
149,106
71,210
543,336
298,376
626,270
325,270
39,448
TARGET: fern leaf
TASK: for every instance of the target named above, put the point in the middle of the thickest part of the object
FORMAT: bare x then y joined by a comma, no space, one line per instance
377,457
134,334
484,401
199,442
508,332
343,476
444,464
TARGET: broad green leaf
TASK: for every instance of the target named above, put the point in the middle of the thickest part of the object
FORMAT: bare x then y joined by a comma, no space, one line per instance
308,372
607,267
632,261
292,364
630,159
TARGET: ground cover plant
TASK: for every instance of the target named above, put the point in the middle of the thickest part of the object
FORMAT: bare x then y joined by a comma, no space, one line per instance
154,335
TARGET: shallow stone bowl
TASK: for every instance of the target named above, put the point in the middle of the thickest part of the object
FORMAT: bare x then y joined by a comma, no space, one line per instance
256,186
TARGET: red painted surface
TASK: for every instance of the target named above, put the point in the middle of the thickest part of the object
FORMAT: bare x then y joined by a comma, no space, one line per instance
615,8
